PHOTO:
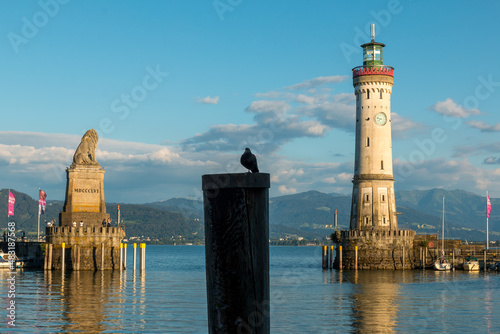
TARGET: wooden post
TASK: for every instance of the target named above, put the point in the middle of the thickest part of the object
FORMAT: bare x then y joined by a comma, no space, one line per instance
484,256
45,260
324,257
340,257
49,263
124,256
76,249
236,208
102,256
143,256
121,256
403,257
63,256
425,258
331,257
356,257
453,260
134,257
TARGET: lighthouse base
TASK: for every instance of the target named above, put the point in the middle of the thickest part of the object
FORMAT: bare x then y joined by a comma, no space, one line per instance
375,250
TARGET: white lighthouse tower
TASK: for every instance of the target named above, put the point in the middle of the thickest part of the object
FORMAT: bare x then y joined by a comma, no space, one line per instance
373,202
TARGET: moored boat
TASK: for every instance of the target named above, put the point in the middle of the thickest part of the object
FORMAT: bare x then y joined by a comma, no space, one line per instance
471,264
4,260
442,264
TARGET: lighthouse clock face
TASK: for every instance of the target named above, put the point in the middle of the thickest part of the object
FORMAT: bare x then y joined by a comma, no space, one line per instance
380,118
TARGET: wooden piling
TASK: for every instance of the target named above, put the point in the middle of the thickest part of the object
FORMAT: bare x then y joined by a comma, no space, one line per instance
403,257
340,257
236,208
102,256
453,260
331,257
143,257
356,257
134,257
121,256
49,259
124,256
484,259
63,255
46,258
324,257
76,249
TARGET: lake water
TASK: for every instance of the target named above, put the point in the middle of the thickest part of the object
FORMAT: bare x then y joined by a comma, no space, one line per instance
171,298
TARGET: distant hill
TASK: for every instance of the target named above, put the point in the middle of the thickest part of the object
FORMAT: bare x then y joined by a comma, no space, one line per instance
187,207
306,215
465,213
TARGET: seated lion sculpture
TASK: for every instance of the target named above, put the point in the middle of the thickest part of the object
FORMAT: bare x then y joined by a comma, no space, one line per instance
85,153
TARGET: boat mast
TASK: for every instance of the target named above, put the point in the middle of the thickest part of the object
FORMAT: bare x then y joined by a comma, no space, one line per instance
442,234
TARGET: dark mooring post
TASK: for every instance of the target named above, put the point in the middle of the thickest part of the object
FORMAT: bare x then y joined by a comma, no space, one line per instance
237,252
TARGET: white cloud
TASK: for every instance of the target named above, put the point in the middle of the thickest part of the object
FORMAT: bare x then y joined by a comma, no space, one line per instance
330,180
209,100
313,83
264,106
402,126
483,126
287,191
450,108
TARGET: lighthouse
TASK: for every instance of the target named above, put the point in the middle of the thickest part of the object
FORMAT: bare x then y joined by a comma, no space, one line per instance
373,202
373,240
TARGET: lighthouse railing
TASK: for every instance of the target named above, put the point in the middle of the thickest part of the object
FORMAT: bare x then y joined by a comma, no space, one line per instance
373,70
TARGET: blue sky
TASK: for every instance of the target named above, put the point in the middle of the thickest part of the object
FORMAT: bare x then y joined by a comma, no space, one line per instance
177,89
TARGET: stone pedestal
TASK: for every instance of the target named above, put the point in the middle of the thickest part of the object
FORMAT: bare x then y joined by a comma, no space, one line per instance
84,196
237,252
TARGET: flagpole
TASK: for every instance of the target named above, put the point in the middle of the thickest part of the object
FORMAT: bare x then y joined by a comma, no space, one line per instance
487,234
8,198
38,235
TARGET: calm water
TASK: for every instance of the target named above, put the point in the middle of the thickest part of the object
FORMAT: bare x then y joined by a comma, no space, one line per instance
171,298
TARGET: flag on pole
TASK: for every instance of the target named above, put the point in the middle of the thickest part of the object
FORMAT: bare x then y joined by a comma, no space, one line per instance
42,203
488,206
12,201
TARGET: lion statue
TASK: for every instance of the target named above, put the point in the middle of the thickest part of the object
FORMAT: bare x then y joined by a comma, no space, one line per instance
85,153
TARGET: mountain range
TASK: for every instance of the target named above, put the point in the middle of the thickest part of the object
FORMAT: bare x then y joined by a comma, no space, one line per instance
308,215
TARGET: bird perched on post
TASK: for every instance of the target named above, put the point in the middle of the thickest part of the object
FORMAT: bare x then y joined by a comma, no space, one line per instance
249,161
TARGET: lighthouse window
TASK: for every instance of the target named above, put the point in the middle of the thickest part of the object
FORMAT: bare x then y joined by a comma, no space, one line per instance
383,198
366,220
380,94
367,197
382,164
383,219
367,94
367,141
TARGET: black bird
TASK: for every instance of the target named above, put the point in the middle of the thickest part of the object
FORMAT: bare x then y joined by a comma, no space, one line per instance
249,161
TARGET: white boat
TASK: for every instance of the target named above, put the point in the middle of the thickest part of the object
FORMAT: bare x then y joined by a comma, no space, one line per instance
442,264
4,260
471,264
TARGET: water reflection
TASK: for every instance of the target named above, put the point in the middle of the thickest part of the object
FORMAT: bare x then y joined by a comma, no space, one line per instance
376,301
93,302
374,297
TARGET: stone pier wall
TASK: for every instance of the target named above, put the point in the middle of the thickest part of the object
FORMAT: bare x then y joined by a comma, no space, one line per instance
89,241
391,249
